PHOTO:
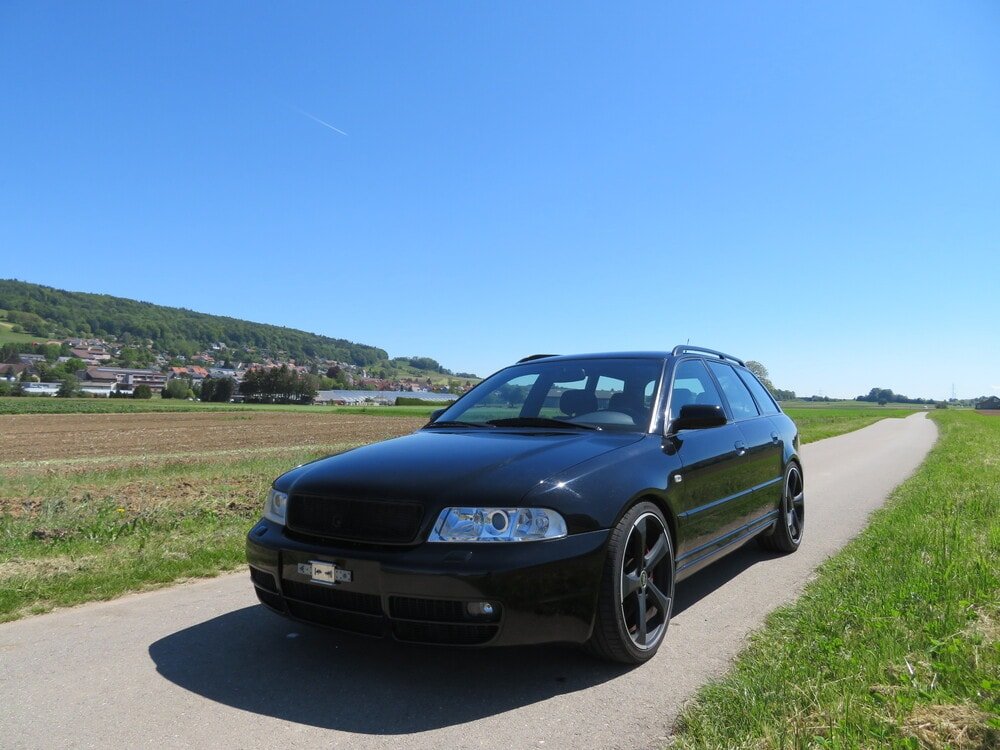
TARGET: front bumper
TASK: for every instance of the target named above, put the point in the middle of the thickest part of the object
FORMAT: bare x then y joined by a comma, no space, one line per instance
541,591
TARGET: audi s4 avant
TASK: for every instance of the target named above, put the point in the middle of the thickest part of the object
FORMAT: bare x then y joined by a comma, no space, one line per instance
561,499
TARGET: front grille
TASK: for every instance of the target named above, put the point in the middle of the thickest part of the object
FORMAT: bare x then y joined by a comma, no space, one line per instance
442,633
438,610
350,601
356,520
335,618
263,580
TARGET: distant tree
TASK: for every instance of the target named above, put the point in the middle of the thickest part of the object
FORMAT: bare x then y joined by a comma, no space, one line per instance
761,372
207,389
224,390
142,391
176,388
9,354
5,388
69,387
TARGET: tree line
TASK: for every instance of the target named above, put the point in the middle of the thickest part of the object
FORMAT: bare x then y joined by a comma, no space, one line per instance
54,313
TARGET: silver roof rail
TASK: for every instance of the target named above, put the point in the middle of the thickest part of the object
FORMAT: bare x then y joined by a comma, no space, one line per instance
684,348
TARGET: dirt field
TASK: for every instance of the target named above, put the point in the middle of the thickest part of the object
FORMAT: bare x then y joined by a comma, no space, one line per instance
47,437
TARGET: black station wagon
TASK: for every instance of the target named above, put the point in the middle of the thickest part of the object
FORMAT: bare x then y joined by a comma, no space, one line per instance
559,500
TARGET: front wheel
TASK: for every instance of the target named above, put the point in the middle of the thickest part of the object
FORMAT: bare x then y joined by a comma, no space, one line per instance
786,536
637,588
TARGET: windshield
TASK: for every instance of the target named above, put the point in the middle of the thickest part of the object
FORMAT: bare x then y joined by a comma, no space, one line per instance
606,394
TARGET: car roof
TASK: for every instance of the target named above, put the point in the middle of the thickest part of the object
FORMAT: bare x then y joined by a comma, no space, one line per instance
678,351
598,355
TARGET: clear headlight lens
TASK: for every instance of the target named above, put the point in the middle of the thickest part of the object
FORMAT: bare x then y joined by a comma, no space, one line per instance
274,507
497,525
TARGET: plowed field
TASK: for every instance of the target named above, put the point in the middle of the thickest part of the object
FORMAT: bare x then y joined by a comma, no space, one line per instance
62,437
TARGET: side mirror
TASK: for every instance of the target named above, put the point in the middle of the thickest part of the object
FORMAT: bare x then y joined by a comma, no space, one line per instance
437,413
698,417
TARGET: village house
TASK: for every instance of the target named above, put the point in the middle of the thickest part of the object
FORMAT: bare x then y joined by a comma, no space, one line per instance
12,373
194,373
127,378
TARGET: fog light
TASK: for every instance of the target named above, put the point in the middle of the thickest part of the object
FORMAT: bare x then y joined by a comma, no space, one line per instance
480,609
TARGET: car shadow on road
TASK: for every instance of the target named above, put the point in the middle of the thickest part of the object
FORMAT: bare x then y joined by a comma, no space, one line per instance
257,661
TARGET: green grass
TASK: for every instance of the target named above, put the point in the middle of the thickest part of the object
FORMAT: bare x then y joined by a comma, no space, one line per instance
895,644
67,538
819,423
50,405
7,336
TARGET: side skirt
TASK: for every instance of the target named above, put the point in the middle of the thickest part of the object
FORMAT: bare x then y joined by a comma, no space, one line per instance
698,558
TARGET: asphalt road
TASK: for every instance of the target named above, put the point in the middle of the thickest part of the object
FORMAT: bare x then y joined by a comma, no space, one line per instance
201,665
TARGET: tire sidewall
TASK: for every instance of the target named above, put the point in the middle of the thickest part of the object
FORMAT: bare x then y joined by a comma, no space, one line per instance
786,500
625,526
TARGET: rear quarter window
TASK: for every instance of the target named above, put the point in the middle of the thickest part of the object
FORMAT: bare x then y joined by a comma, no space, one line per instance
763,398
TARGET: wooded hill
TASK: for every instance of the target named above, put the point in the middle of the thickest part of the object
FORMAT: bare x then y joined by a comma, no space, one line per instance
53,313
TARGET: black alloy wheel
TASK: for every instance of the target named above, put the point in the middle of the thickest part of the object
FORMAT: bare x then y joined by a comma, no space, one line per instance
786,536
637,590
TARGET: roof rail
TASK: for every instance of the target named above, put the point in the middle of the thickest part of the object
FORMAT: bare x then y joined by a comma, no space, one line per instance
682,348
535,356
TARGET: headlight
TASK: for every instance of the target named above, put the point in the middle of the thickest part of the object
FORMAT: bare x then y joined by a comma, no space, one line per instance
274,507
497,525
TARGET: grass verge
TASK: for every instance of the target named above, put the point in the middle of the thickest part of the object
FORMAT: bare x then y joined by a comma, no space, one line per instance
817,424
897,641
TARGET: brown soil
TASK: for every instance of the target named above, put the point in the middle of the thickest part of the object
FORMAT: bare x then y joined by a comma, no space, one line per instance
40,437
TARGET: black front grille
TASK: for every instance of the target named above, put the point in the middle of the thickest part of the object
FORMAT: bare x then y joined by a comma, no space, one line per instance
356,520
350,601
438,610
263,580
443,633
335,618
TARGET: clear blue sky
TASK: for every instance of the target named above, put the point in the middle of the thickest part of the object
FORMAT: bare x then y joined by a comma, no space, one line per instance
813,186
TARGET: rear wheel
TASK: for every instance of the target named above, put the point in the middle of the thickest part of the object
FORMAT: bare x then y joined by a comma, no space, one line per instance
786,536
637,588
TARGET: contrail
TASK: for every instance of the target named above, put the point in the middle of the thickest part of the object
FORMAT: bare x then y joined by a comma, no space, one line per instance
321,122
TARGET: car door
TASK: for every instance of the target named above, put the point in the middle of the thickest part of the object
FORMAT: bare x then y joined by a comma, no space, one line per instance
761,478
712,461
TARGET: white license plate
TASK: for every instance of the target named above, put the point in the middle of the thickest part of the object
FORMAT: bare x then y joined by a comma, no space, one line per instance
325,572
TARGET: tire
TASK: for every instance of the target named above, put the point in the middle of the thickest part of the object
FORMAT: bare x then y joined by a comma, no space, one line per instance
786,535
635,599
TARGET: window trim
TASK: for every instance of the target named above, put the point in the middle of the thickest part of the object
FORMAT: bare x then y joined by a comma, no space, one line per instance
673,378
722,391
774,401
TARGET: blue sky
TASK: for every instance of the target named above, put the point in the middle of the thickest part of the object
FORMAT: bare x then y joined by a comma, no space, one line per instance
812,186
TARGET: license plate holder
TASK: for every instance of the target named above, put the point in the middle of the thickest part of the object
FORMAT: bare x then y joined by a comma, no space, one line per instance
326,573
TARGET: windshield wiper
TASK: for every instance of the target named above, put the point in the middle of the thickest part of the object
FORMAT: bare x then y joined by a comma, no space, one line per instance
541,422
458,423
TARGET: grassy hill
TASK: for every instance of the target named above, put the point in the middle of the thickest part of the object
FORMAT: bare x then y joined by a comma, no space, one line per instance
45,312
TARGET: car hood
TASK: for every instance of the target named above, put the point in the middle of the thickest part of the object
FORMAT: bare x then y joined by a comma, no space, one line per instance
461,467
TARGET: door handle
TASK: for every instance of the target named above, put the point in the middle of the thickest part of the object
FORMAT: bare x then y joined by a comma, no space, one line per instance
775,438
741,448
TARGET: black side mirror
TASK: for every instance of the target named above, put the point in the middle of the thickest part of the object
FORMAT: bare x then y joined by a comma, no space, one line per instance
437,413
698,417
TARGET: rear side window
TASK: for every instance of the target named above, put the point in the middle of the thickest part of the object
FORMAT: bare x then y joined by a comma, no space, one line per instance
764,400
739,398
692,385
